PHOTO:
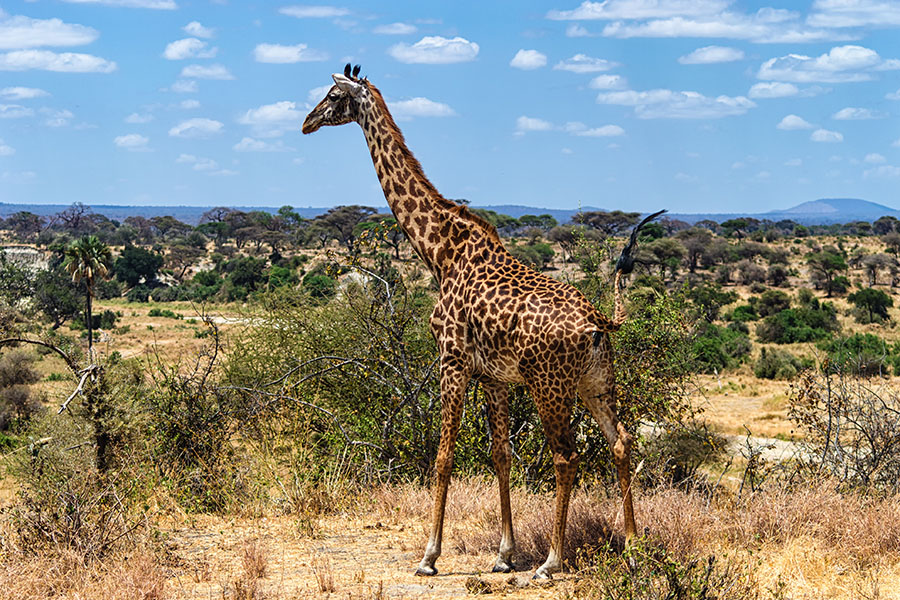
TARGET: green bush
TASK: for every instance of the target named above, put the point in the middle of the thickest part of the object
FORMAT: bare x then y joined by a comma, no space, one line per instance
717,348
742,313
777,364
862,354
802,324
771,302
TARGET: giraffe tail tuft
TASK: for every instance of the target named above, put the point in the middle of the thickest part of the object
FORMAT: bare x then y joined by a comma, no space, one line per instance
625,265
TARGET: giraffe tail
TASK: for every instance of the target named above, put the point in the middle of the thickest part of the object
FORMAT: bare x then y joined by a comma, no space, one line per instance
625,265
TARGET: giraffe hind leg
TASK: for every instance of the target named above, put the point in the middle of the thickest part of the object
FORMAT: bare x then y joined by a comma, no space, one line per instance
620,441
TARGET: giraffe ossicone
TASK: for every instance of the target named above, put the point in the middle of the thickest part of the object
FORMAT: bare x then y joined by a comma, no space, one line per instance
495,321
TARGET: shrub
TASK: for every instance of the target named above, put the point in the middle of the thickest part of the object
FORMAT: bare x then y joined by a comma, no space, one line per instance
862,354
777,364
750,272
709,299
17,373
851,429
106,289
716,348
771,302
803,324
742,313
139,293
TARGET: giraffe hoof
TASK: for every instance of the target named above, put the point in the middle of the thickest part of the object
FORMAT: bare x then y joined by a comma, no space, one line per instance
501,566
424,571
542,575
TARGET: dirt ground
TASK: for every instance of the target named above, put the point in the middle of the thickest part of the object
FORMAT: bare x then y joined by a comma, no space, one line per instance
348,557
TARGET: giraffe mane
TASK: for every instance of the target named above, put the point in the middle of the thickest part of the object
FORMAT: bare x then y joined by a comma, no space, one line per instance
460,210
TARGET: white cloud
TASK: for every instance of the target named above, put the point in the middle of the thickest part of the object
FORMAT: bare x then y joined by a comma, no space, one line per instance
883,171
22,93
14,111
188,48
56,118
854,13
525,124
198,163
273,120
132,141
154,4
896,144
420,107
316,95
18,33
435,50
581,63
528,124
195,29
794,162
669,104
773,89
206,72
575,30
582,130
712,54
189,104
6,150
840,65
196,128
875,159
793,123
767,25
893,95
685,178
638,9
65,62
528,60
314,12
184,86
249,144
395,29
857,114
136,118
824,135
278,54
608,82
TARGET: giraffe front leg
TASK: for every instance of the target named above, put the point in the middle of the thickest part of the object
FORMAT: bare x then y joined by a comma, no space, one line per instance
498,416
453,389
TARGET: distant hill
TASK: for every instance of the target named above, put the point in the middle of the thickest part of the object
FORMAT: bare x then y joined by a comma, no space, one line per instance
815,212
837,210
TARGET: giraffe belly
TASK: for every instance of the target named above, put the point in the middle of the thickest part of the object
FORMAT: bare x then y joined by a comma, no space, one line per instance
503,368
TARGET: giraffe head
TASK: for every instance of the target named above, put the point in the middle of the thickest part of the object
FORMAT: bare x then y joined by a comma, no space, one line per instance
342,102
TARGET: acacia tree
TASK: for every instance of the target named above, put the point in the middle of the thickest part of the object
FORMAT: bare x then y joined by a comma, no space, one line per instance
826,264
88,259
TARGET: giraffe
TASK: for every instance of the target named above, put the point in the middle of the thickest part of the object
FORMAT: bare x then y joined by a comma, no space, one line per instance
495,321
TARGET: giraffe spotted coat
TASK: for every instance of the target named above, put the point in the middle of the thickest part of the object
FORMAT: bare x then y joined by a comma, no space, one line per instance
496,321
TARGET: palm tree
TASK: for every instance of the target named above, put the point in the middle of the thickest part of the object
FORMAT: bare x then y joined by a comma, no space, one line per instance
87,260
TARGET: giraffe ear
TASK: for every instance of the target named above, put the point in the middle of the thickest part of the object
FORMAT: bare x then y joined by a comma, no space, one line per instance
346,84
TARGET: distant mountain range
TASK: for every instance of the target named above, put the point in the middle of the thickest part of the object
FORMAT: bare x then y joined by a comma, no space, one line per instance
815,212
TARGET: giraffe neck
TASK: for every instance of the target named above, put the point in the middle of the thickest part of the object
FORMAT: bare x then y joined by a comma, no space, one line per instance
436,227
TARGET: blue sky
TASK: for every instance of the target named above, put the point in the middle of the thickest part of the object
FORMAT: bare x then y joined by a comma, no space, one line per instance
690,105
